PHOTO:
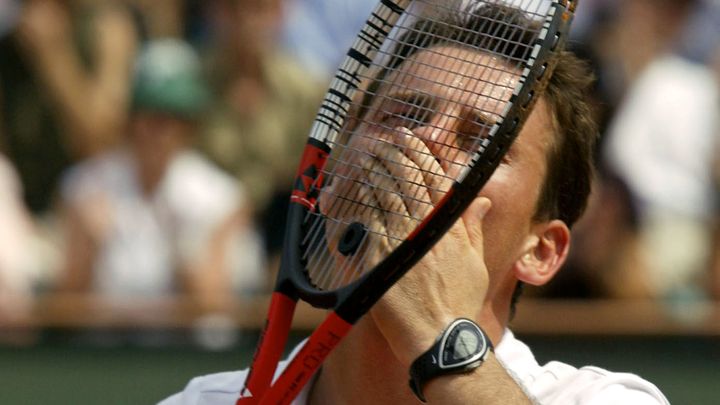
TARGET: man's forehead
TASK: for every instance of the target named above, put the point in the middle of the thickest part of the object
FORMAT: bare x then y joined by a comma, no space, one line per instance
457,74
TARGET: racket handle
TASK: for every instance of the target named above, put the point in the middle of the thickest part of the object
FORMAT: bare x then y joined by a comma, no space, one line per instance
307,361
269,349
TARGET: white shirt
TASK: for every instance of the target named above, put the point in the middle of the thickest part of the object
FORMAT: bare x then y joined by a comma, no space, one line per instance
19,264
664,137
144,238
554,383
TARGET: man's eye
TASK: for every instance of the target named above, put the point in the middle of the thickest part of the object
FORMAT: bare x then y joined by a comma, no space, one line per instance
470,137
410,118
467,143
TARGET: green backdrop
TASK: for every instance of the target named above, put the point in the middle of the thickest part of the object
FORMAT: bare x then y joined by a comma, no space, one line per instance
60,371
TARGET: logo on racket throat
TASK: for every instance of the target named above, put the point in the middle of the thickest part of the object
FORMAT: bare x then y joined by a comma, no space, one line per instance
309,179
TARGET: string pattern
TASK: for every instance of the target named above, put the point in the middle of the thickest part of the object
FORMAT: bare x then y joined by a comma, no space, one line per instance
428,104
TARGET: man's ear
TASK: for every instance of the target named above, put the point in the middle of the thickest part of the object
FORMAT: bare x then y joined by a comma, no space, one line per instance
546,251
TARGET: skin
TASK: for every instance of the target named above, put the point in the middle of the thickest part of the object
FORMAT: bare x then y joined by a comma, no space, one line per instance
473,270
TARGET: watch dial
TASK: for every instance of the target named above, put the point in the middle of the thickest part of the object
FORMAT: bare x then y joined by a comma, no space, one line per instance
463,344
466,344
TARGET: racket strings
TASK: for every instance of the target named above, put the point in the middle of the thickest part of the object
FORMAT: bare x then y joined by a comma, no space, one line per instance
411,198
419,116
381,169
504,31
382,178
365,153
490,97
388,161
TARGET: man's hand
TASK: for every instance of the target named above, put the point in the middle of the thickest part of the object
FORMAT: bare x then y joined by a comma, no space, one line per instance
390,182
451,280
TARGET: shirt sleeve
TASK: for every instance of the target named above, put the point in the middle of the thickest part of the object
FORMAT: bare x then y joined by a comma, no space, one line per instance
214,389
224,388
561,384
618,394
172,400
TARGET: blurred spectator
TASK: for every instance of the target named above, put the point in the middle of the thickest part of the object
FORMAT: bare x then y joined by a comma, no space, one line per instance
605,260
18,261
595,41
266,105
9,11
319,32
152,217
586,18
715,264
64,76
700,38
661,143
91,94
162,18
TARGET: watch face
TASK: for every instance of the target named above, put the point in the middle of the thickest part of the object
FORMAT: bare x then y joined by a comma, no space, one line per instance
463,344
466,345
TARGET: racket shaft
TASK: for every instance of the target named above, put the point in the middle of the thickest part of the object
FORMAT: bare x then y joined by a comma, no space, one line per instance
270,348
302,367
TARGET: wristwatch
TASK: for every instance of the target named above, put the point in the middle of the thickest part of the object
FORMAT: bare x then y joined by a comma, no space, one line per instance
462,347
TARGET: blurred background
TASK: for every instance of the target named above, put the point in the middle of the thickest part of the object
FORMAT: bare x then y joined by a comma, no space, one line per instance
147,150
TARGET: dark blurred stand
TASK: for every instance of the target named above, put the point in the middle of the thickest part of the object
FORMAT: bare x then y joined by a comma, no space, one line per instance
139,351
534,316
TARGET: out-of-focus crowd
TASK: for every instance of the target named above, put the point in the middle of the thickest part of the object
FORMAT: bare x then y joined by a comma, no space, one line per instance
651,230
147,147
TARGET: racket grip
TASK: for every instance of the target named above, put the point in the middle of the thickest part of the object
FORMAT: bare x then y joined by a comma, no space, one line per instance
307,361
269,350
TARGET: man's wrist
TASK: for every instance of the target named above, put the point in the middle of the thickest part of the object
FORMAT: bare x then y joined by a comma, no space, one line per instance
488,384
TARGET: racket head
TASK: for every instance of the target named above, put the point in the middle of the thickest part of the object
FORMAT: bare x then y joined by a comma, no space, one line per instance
394,157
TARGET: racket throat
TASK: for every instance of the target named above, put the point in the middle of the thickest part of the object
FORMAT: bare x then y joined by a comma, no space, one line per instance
308,360
270,348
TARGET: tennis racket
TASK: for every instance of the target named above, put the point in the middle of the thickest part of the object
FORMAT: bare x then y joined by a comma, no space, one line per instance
384,175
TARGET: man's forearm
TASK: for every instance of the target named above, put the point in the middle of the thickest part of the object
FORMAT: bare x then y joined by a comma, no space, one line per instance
488,384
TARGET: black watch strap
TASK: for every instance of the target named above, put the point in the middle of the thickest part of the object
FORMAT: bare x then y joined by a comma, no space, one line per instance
462,347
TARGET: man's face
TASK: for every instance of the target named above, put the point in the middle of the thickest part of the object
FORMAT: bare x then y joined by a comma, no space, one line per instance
444,98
